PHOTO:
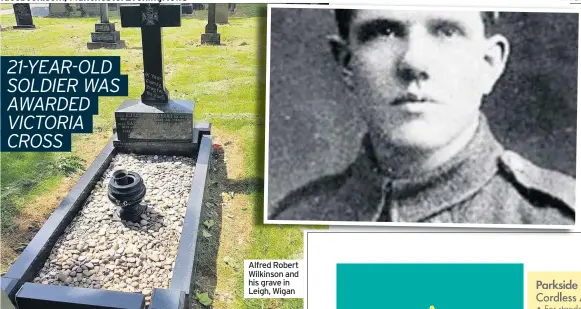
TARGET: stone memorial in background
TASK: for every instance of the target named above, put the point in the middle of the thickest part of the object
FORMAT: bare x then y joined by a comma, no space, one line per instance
155,123
90,9
58,9
23,16
187,8
211,35
222,11
40,11
63,9
198,6
105,35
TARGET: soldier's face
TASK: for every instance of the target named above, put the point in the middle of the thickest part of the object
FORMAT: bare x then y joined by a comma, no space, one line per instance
419,76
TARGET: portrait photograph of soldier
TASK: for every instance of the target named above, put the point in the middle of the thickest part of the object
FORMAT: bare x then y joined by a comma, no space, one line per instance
434,116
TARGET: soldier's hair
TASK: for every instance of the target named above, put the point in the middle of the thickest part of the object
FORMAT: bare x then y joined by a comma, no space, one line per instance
344,17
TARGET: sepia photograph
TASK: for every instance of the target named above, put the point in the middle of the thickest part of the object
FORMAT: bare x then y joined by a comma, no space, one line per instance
421,116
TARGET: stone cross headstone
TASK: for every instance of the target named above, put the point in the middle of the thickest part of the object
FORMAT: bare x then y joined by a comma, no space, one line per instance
104,12
105,35
151,18
211,36
155,124
23,16
222,13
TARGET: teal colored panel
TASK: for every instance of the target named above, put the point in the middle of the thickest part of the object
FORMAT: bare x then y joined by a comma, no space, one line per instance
419,286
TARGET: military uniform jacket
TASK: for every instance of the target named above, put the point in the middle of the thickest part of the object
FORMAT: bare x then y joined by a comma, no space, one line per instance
484,184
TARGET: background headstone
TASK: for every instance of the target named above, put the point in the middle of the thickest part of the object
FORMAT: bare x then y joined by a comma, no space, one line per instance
65,9
211,36
313,130
187,8
222,13
23,16
198,6
90,9
58,9
40,9
105,35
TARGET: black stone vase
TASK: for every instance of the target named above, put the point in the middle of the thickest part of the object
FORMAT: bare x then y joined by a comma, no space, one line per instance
126,189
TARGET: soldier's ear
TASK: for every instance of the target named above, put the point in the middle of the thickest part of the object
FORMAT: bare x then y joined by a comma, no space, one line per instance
342,55
495,56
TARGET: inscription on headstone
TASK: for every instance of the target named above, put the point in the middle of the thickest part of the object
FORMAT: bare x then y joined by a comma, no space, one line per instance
105,37
23,16
110,27
58,9
154,126
154,88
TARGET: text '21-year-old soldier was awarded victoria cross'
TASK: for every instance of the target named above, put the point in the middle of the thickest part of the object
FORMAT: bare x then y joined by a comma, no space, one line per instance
419,78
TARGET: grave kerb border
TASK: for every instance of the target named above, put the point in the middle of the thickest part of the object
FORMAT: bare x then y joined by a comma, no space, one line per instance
35,254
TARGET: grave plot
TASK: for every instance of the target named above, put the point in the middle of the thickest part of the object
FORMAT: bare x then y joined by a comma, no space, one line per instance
125,235
98,250
23,16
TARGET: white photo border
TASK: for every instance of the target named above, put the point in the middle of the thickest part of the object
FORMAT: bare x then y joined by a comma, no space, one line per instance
533,6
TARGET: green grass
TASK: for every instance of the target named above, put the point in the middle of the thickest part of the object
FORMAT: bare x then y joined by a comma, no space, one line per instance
5,6
226,82
25,175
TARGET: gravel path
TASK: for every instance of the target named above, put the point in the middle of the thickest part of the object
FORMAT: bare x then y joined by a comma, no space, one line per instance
100,251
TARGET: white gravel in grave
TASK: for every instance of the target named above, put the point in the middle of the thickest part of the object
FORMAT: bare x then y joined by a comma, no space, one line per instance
101,252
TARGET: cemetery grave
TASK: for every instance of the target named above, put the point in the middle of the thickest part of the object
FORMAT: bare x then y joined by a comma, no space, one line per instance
23,16
211,36
226,84
105,35
130,248
222,12
187,8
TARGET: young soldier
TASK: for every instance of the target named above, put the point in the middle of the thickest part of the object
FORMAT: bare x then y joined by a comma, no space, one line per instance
429,156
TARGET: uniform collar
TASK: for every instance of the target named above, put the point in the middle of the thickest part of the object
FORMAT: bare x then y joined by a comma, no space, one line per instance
425,195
